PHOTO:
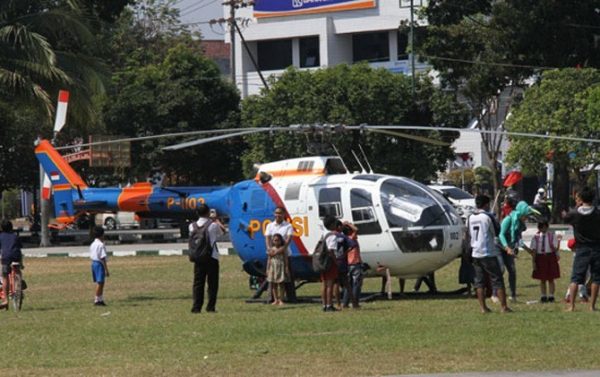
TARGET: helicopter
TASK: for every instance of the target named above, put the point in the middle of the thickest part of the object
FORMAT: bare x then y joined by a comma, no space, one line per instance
403,225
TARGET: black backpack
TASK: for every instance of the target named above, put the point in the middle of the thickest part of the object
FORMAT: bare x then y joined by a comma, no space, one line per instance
199,244
321,259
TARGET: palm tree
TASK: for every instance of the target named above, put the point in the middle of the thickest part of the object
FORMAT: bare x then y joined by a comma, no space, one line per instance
44,46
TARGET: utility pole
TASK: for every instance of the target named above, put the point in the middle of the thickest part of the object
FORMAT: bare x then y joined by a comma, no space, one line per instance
232,6
233,28
412,46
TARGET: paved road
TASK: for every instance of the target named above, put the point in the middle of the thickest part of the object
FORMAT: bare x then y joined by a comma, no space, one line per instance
582,373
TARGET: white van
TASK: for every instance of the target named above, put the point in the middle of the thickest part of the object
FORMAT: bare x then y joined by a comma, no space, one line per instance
462,200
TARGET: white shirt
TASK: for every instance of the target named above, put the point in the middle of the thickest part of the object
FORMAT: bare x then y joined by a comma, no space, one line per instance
331,241
285,229
482,235
544,243
97,250
214,232
539,199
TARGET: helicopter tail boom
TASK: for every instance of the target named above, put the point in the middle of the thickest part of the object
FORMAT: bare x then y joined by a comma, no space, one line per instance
63,178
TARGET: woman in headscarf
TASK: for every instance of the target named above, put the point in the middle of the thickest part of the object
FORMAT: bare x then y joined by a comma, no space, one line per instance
511,231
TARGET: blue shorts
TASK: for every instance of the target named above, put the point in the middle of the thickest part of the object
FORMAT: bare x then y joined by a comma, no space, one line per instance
98,273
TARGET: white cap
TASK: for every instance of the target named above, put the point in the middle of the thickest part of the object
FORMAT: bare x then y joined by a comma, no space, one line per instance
541,190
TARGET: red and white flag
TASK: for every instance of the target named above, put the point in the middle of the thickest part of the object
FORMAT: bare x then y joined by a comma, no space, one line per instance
46,188
61,110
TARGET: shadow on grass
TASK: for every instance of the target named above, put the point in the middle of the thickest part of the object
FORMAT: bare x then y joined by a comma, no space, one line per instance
144,298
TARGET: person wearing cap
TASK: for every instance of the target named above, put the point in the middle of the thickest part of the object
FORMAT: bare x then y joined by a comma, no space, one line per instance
510,238
540,197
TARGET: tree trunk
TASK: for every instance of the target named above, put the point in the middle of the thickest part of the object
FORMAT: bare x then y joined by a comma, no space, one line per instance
560,189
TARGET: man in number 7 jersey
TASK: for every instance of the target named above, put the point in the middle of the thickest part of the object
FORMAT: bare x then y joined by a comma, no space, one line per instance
482,230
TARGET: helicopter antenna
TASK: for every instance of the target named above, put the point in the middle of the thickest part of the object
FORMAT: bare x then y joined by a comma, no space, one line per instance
366,159
338,154
357,160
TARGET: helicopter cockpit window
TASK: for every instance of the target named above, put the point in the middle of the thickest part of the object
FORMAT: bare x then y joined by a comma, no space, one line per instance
330,202
448,207
335,166
363,213
292,191
405,204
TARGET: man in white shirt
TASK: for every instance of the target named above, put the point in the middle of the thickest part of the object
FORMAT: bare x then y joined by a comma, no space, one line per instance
280,226
482,230
207,272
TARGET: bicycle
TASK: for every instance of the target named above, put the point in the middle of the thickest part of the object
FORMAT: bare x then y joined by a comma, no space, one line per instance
15,287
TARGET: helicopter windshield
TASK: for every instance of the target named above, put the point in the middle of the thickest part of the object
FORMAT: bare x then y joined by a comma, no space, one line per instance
407,204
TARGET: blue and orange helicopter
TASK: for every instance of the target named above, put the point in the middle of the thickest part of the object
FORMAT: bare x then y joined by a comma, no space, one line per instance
403,224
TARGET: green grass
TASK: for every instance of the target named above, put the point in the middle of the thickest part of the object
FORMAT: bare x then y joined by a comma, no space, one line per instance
147,328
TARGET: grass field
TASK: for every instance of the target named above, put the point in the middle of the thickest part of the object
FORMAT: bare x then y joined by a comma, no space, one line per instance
147,328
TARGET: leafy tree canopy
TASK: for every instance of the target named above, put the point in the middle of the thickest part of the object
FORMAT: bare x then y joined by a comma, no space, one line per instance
565,102
352,95
184,92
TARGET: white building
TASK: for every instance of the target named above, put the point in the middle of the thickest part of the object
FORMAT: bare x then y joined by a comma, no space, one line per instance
319,33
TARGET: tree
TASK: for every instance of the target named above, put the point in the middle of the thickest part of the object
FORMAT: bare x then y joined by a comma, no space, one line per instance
185,92
350,95
487,49
565,103
45,46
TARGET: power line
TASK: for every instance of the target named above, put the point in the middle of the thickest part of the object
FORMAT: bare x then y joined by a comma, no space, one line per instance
191,6
199,7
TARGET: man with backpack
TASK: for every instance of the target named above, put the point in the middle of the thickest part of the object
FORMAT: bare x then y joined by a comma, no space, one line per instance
205,255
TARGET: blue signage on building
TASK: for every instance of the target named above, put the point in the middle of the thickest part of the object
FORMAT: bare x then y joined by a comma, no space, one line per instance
277,8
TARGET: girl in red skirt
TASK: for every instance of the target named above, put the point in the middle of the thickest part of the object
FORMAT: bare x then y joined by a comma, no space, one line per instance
546,245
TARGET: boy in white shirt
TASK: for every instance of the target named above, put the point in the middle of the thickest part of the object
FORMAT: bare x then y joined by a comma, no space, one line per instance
99,265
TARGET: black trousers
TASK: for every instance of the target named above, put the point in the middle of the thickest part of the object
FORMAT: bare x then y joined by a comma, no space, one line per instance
206,273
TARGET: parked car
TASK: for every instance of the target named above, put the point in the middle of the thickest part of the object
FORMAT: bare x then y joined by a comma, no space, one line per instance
462,200
117,220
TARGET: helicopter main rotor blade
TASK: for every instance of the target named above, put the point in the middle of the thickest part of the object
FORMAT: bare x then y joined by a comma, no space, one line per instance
211,139
422,139
479,131
153,137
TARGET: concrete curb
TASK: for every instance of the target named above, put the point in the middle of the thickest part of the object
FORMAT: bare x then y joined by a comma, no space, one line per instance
128,253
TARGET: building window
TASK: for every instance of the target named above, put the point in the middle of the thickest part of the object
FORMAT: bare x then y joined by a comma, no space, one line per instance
309,52
403,44
275,54
372,47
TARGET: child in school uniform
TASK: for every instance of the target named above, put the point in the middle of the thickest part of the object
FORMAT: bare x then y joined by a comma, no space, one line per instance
277,268
545,245
99,265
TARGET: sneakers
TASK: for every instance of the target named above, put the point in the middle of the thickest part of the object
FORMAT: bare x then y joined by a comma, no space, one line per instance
551,299
99,303
544,299
513,299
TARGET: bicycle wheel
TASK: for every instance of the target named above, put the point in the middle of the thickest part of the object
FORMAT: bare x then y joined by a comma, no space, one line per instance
17,296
